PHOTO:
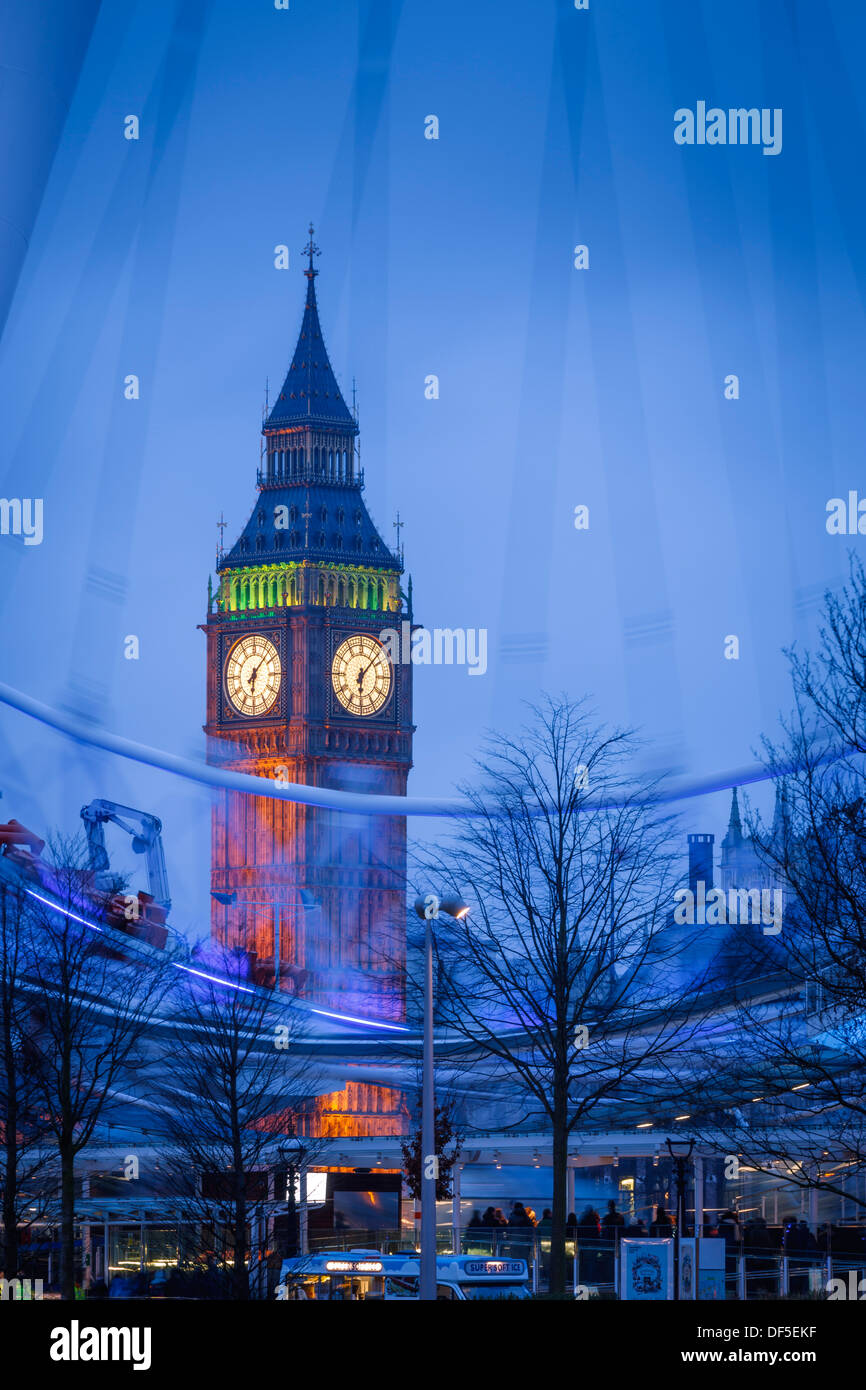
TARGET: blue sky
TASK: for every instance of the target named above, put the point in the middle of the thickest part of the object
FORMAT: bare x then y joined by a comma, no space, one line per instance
452,257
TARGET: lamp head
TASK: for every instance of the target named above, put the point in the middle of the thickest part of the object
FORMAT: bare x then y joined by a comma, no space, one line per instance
429,907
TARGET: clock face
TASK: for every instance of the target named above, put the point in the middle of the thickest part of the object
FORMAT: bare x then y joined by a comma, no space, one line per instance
253,675
361,674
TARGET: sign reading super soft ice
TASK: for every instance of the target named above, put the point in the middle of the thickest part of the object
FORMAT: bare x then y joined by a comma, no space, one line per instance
495,1268
646,1269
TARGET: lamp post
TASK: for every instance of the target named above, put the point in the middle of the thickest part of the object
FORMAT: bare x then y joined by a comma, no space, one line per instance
680,1151
428,909
292,1157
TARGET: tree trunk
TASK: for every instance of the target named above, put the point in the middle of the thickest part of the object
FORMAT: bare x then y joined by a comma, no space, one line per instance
10,1213
10,1184
557,1234
240,1274
67,1222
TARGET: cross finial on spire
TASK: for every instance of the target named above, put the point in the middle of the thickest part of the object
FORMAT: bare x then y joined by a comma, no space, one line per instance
221,526
398,527
311,250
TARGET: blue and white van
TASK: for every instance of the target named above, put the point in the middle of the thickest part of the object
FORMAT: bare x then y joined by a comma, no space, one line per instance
351,1275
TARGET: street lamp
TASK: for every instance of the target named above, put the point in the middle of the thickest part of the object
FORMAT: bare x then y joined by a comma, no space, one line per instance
680,1151
292,1154
428,909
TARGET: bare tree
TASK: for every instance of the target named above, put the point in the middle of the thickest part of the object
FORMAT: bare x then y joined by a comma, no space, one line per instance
234,1079
93,1003
24,1162
794,1073
559,984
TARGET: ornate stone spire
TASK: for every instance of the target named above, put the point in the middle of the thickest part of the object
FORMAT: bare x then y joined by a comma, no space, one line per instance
310,394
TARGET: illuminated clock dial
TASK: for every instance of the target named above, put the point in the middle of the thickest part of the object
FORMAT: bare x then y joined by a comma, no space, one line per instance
253,675
361,674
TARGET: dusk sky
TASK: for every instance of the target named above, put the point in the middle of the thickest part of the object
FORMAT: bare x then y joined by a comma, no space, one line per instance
454,257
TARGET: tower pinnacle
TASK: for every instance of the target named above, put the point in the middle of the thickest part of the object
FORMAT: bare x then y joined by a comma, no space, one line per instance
734,835
311,250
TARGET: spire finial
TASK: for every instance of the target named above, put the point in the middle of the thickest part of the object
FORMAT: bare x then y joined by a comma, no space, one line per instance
311,250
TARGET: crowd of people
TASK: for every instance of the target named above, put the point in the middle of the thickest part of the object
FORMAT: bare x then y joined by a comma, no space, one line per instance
752,1236
588,1227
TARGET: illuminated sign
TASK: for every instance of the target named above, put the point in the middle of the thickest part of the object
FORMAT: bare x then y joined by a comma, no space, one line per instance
353,1266
495,1267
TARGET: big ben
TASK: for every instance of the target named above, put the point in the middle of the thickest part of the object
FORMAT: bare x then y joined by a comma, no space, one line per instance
301,689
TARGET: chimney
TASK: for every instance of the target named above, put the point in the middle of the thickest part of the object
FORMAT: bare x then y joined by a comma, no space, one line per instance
701,861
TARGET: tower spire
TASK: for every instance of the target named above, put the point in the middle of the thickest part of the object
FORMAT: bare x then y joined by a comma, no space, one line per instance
310,394
734,835
311,250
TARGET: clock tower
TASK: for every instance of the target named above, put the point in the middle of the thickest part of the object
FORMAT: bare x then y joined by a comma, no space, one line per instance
300,689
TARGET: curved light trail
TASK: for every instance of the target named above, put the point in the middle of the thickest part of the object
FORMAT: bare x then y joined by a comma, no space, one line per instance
371,803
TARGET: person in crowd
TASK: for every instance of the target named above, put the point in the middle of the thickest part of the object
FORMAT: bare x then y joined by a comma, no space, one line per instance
588,1239
729,1230
570,1226
613,1222
792,1239
489,1218
545,1225
475,1219
519,1216
761,1266
662,1227
589,1226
